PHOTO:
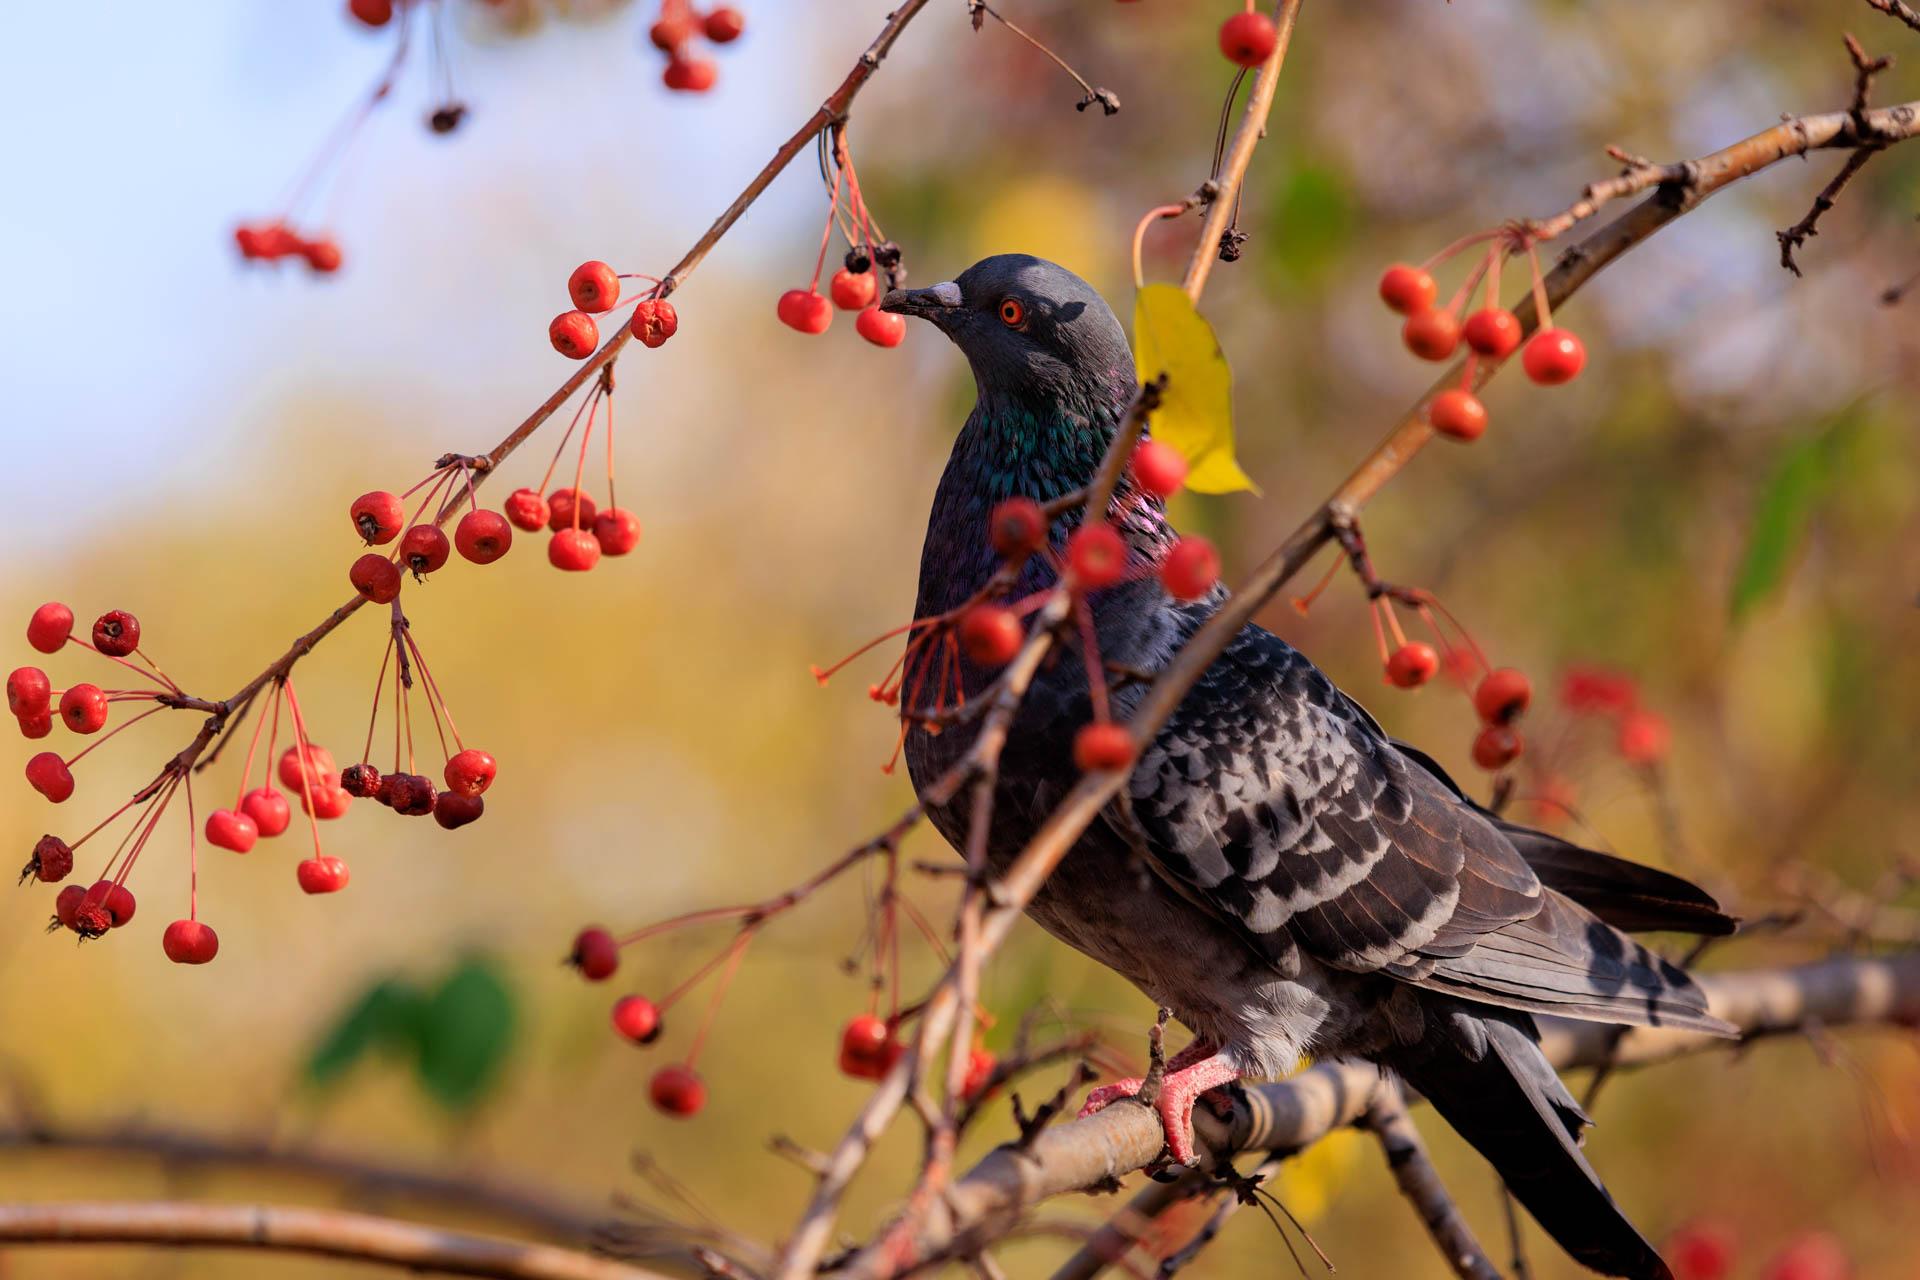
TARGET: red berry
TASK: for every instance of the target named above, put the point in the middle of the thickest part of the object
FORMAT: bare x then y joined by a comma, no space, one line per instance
1431,334
230,829
455,811
867,1048
805,311
189,942
1102,745
1492,331
83,707
323,874
1248,39
29,692
594,287
724,24
881,328
1644,738
1813,1256
116,633
1412,664
361,781
268,809
52,860
980,1065
1159,468
319,768
470,772
116,898
690,75
573,550
596,955
574,334
483,536
617,530
1553,356
1017,528
323,255
669,34
1097,555
1408,290
1503,695
1191,568
66,906
852,291
424,548
991,634
327,803
527,510
37,724
377,517
375,577
1595,690
562,505
375,13
48,774
654,321
49,627
1457,414
677,1091
634,1017
1496,747
1701,1251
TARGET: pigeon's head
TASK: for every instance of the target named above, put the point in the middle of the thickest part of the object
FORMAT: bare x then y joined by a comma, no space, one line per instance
1032,330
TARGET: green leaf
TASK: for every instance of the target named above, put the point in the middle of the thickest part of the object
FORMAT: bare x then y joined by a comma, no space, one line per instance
466,1029
1196,411
1800,481
384,1017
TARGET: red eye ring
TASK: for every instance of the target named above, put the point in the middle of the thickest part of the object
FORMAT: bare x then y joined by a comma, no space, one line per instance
1013,312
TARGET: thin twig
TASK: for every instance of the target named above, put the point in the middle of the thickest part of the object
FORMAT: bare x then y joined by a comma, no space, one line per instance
1419,1182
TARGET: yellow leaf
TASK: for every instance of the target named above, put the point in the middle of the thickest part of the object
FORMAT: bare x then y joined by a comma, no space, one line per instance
1196,411
1311,1181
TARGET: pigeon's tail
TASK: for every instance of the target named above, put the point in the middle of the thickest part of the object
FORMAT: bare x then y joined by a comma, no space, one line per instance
1484,1072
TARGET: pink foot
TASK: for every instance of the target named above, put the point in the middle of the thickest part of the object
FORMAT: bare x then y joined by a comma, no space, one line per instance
1106,1094
1179,1090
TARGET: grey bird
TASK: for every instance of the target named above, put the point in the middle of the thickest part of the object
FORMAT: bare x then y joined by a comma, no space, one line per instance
1311,886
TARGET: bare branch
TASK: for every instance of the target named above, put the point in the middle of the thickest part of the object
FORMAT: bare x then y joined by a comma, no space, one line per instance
1419,1182
1898,9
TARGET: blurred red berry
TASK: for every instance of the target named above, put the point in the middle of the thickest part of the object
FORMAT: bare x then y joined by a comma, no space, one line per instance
881,328
527,510
1643,738
268,809
1596,690
1496,747
327,802
116,633
1102,745
1191,568
189,942
570,509
991,634
1503,695
228,829
1248,39
1701,1251
690,75
677,1091
1412,664
1553,356
323,255
724,24
1158,467
1097,555
1408,289
617,530
804,311
116,898
596,955
49,627
867,1048
980,1065
1432,334
29,691
594,287
1813,1256
574,334
671,32
573,550
454,811
83,708
1017,527
1457,414
1492,331
314,763
375,13
634,1017
322,874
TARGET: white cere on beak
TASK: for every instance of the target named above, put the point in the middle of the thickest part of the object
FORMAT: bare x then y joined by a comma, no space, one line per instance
947,292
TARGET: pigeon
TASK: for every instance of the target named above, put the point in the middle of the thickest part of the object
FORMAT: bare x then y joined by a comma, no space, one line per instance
1283,876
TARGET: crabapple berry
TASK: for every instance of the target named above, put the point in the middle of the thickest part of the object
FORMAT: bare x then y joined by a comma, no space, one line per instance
881,328
991,634
189,942
1813,1256
1643,738
326,803
83,707
116,633
49,627
1102,745
1191,568
455,811
654,321
408,794
52,860
268,809
1408,290
1492,331
322,255
980,1065
562,504
1496,747
374,13
1017,527
574,334
230,829
1503,695
37,724
1701,1251
724,24
690,75
852,290
1457,414
361,781
483,536
670,33
315,762
867,1048
1431,334
375,577
322,874
470,772
573,550
424,548
1553,356
377,517
116,898
1248,39
677,1091
91,919
596,955
804,311
28,691
66,906
527,510
594,287
48,774
617,530
1412,664
1097,554
634,1017
1158,467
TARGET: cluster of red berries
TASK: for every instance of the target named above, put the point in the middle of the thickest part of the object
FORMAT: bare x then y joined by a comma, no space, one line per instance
276,241
872,265
81,707
1641,737
1708,1250
675,33
1248,38
594,288
676,1089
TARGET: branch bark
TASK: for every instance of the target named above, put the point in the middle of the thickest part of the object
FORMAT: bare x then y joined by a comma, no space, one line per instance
1419,1182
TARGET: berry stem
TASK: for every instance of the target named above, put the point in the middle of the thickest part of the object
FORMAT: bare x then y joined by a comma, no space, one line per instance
561,449
379,686
300,742
734,954
1151,216
826,233
104,738
246,771
193,854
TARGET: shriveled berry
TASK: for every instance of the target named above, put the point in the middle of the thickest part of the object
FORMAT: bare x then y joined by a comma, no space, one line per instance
1553,356
327,803
37,724
29,691
322,874
564,505
49,627
804,311
116,898
654,321
724,23
1248,39
374,13
1701,1251
116,633
594,287
314,762
677,1091
573,550
574,334
455,811
83,708
690,75
268,809
617,530
1408,290
1158,467
596,954
377,517
229,829
410,794
471,772
1643,738
1492,331
361,781
424,548
1017,528
52,860
991,634
1097,555
1496,747
48,774
881,328
867,1048
483,536
91,919
527,510
671,32
1432,334
189,942
66,907
375,577
1457,414
853,290
635,1017
1191,568
1412,664
1503,695
1102,745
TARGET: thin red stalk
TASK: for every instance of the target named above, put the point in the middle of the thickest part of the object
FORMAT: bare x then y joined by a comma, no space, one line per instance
735,953
379,684
301,742
104,738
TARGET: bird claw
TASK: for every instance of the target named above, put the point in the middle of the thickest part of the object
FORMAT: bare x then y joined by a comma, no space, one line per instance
1179,1090
1107,1094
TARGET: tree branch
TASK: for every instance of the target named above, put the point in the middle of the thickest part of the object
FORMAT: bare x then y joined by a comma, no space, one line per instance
1419,1182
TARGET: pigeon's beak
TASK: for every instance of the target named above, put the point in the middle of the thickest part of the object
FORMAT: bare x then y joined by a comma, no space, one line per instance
936,303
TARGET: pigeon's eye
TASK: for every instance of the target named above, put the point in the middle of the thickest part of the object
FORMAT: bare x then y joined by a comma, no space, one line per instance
1013,311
